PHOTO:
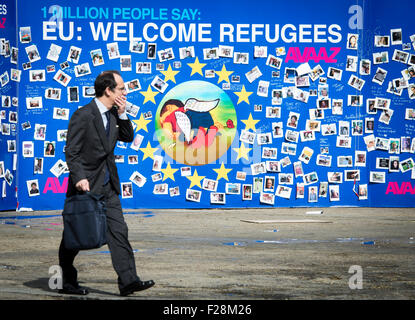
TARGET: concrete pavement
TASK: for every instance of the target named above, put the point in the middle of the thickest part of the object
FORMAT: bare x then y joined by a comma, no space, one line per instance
345,253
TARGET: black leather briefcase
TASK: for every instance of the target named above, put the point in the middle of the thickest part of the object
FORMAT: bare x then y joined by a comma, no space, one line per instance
84,221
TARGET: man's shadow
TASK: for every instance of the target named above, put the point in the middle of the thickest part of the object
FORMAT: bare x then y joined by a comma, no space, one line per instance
43,284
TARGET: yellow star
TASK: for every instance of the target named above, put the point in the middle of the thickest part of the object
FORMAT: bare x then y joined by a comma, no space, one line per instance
223,74
168,172
141,123
250,123
148,151
243,95
195,180
196,67
242,152
149,95
169,74
222,172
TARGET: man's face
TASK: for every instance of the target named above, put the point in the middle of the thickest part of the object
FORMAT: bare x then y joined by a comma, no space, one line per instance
119,90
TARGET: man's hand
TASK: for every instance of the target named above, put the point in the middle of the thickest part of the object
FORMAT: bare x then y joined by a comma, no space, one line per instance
121,103
82,185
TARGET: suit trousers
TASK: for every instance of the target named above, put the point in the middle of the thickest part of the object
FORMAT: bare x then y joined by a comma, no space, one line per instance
122,255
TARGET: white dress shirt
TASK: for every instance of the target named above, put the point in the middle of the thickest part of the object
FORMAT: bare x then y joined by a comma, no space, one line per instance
102,109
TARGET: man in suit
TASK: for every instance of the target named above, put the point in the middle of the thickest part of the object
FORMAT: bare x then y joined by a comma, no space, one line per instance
93,132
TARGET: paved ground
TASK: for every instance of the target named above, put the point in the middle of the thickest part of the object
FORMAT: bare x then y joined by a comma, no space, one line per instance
212,254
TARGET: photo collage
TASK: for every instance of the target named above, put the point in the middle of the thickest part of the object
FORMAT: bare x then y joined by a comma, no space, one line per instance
306,133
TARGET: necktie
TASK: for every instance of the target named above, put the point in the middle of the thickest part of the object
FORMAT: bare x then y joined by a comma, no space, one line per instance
107,131
107,127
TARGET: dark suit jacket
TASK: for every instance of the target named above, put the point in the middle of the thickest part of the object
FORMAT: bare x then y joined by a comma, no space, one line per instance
88,149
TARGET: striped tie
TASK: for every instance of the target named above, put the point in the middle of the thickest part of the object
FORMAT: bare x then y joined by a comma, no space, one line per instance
107,127
107,131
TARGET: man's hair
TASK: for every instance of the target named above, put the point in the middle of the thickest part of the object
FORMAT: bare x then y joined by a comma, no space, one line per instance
105,80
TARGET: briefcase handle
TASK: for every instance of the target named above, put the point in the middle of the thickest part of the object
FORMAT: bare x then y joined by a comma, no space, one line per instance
98,197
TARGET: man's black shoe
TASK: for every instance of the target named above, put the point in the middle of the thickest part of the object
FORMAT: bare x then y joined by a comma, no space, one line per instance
136,286
68,288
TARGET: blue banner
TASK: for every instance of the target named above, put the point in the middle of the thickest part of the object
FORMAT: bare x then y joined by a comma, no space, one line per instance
234,104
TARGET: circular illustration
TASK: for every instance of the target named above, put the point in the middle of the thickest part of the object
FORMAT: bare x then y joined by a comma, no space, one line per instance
195,123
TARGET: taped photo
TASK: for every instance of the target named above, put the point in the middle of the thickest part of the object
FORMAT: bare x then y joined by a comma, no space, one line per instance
380,76
143,67
60,113
210,53
217,198
138,179
113,51
54,52
133,85
159,84
32,53
269,184
334,192
74,54
351,63
334,73
82,69
356,82
27,149
40,131
73,94
400,56
126,190
15,74
37,75
246,192
25,34
88,91
354,100
396,36
38,165
34,103
267,198
165,55
241,58
283,192
49,148
151,51
365,67
174,192
137,46
53,93
381,57
58,168
259,51
352,175
377,177
272,112
258,168
272,166
394,165
33,187
97,57
274,62
382,41
189,52
62,78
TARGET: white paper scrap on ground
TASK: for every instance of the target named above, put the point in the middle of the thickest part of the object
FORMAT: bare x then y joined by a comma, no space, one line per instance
315,212
287,221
